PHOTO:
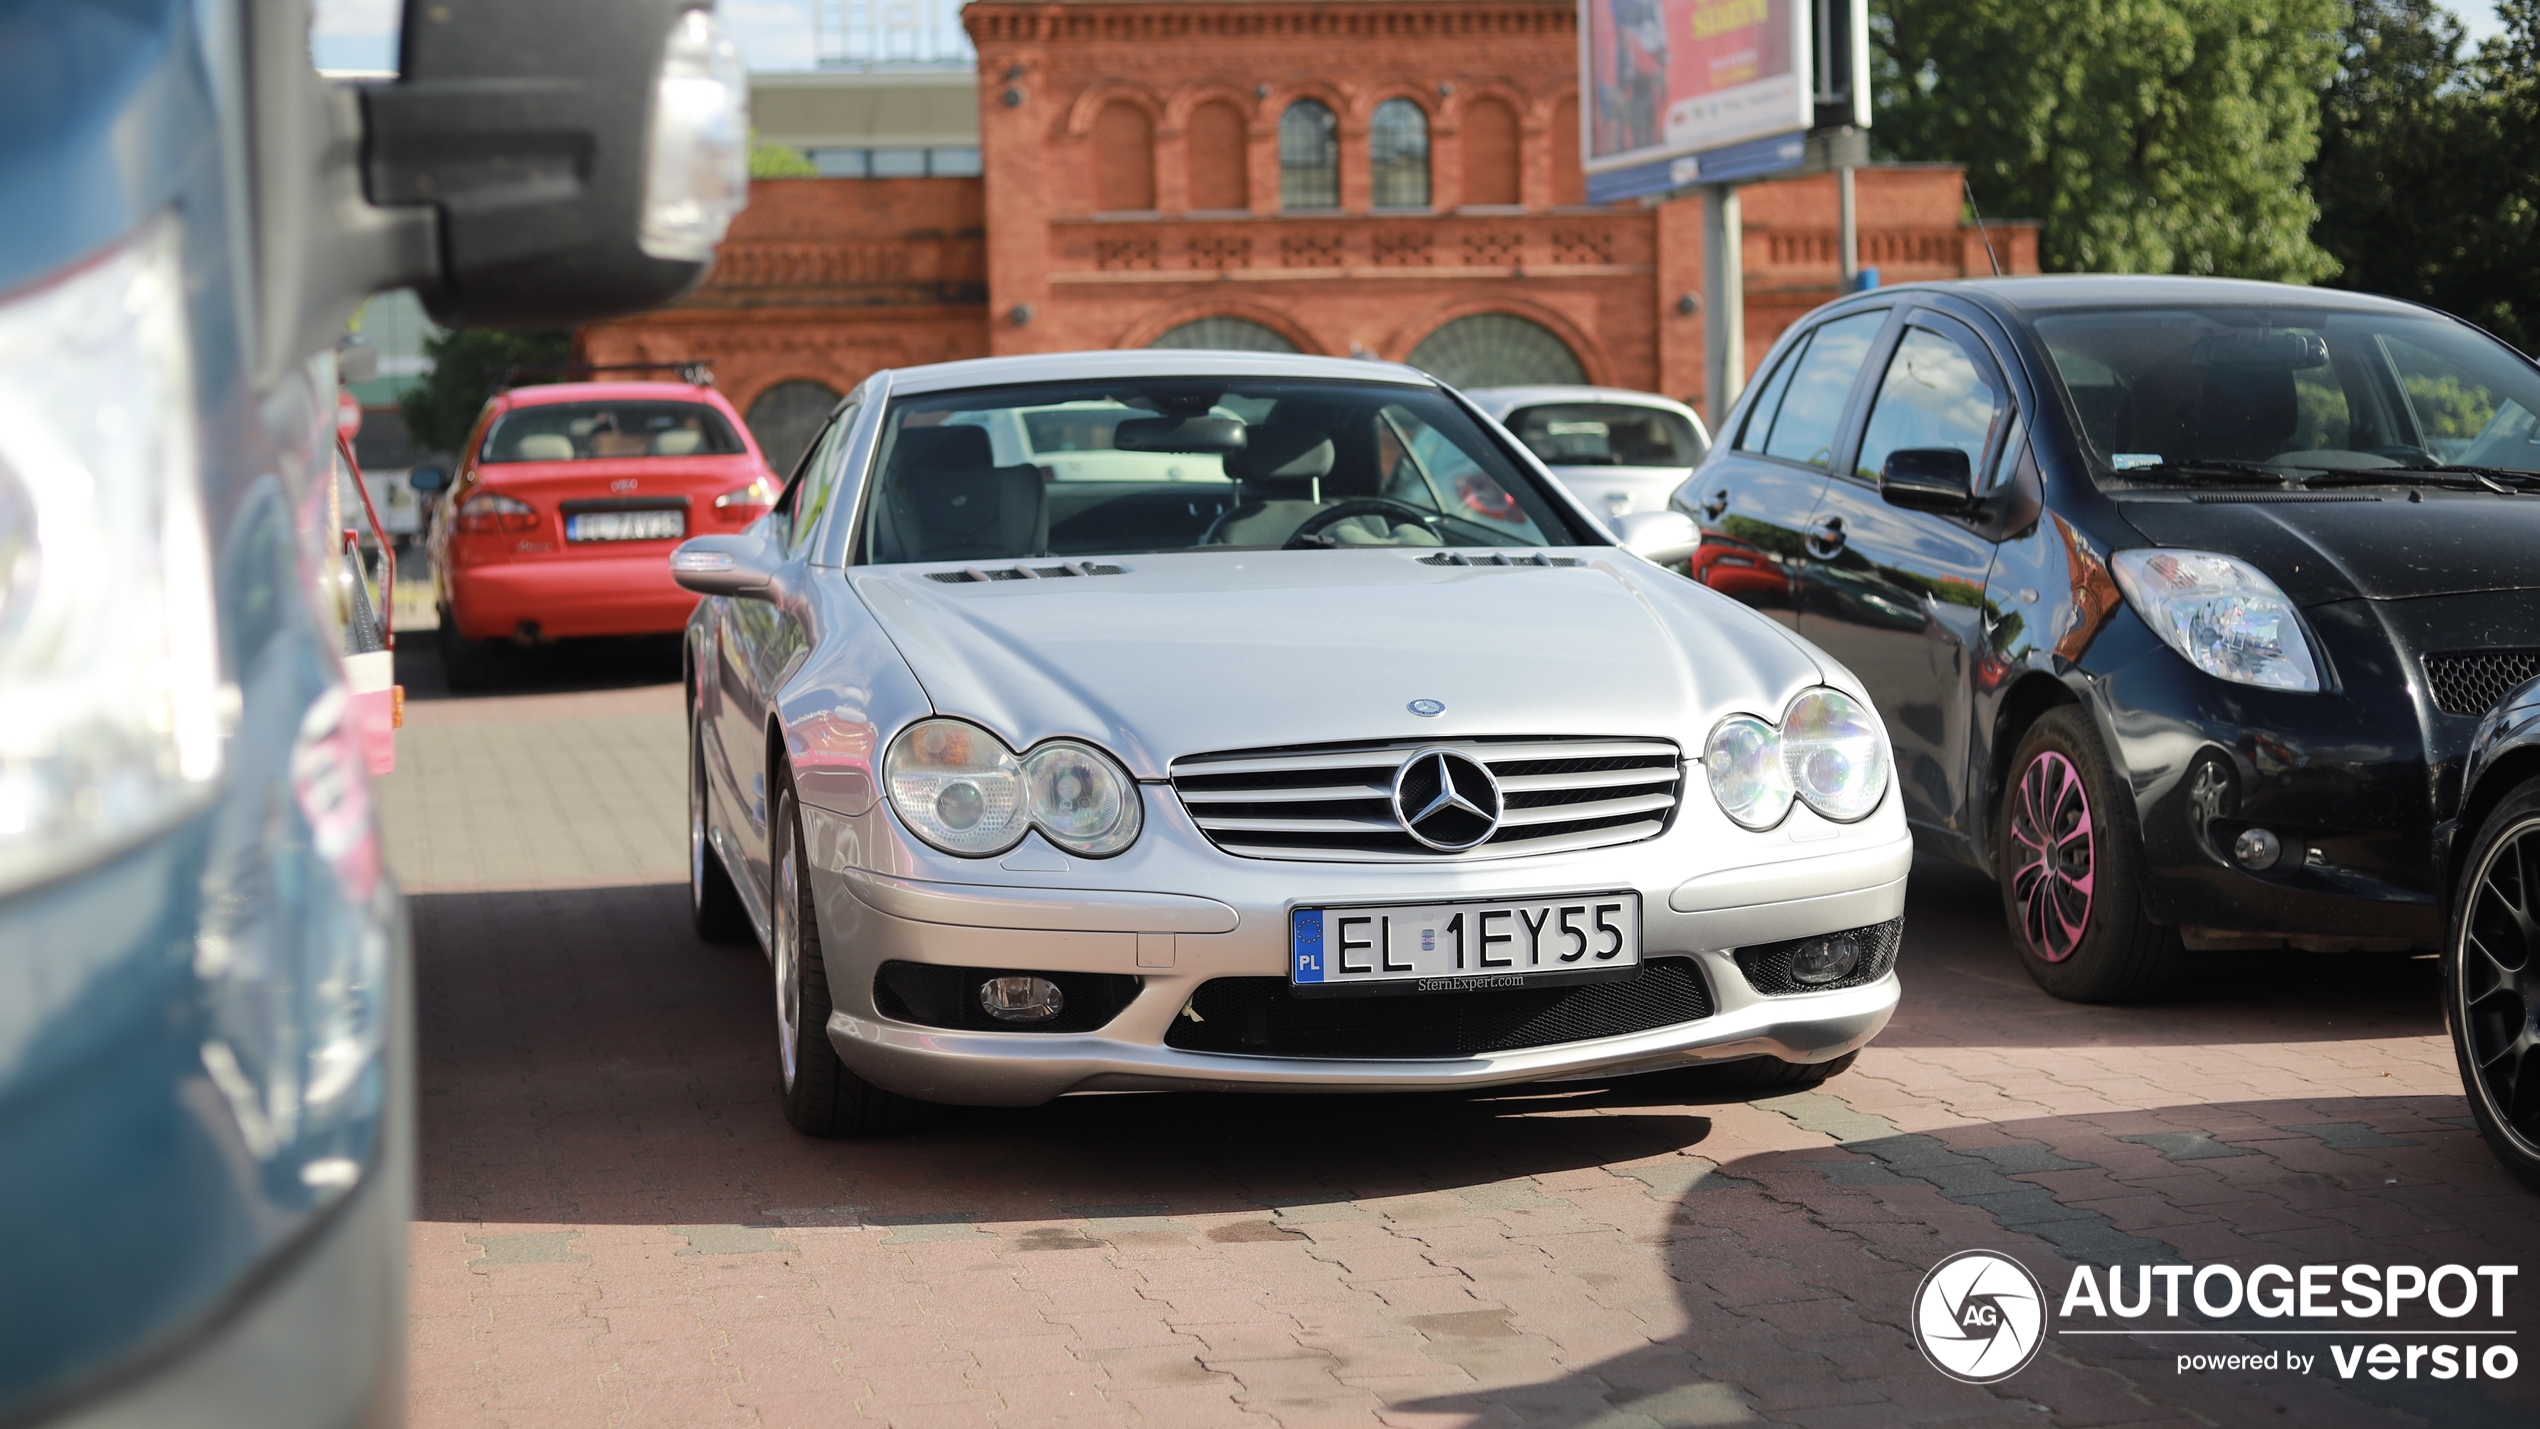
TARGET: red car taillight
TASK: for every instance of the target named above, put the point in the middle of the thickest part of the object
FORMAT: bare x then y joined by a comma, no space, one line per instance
747,503
488,512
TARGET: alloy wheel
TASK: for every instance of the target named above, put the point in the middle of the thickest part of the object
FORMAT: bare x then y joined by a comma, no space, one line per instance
784,948
2053,870
2498,984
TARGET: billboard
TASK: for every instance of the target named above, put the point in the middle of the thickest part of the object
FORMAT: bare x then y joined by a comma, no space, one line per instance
1664,80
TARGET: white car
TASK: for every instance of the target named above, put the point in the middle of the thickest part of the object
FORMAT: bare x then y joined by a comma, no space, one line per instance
1617,450
1304,776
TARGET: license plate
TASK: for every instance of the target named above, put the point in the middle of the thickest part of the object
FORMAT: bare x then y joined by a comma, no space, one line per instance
626,526
1464,947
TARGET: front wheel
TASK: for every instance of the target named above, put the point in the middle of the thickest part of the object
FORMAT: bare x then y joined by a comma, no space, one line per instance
2491,981
822,1096
2072,870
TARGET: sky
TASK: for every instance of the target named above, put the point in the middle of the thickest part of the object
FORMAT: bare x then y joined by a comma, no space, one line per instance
772,34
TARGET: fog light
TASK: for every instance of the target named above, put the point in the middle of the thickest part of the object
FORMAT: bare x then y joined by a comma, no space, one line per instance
1822,960
2257,849
1021,999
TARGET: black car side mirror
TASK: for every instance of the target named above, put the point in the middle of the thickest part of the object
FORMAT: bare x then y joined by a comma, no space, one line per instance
428,480
1937,479
743,565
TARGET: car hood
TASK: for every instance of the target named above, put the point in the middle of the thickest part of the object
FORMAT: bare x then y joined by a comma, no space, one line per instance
2379,544
1192,653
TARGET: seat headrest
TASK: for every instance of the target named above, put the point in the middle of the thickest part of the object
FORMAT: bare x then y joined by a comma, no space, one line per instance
544,446
1276,451
678,441
2249,406
943,449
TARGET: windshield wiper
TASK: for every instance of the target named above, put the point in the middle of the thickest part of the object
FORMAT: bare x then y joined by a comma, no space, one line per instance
2500,480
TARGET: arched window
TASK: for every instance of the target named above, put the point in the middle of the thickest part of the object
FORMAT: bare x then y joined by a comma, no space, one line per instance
1398,154
1490,154
1567,186
1216,143
1225,334
1124,159
1497,350
1309,156
786,417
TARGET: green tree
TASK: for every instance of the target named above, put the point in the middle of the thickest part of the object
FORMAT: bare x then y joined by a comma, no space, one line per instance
2161,136
465,364
2428,174
779,161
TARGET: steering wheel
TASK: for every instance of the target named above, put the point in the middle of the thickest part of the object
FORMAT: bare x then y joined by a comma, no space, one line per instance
1311,533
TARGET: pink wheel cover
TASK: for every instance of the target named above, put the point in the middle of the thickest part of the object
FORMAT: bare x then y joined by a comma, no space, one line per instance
2053,863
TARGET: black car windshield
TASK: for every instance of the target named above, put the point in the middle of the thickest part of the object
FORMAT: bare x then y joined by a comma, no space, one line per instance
1128,465
1606,434
2299,390
580,431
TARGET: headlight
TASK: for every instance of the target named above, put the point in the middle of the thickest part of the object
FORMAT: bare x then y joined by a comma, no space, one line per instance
697,169
1836,755
108,652
960,789
1827,753
2223,614
1744,760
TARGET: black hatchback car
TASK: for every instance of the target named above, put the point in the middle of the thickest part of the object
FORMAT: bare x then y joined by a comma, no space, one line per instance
2182,598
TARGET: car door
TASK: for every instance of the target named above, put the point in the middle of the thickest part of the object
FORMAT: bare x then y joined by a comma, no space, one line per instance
756,641
1898,595
1754,498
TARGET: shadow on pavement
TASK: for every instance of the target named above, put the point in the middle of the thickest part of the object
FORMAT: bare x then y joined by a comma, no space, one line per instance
567,665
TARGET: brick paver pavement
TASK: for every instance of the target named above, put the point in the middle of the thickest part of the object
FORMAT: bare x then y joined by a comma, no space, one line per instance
617,1228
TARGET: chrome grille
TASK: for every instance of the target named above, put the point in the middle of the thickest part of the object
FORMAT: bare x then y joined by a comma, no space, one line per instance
1334,802
2475,682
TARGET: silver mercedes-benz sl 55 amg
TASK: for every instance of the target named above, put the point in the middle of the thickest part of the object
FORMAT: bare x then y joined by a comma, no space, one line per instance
1198,720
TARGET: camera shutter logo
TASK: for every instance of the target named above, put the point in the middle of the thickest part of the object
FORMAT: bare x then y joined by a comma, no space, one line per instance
1979,1316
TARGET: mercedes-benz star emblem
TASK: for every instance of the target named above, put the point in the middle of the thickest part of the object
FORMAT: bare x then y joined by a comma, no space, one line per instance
1426,709
1446,799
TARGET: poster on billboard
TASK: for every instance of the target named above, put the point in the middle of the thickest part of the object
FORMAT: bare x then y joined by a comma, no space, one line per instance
1670,79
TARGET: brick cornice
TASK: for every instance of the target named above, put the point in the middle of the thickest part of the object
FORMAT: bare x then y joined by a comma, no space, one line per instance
1145,21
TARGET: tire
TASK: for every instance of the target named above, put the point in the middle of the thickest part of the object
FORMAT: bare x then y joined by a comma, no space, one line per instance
714,904
2071,869
2491,981
466,665
822,1097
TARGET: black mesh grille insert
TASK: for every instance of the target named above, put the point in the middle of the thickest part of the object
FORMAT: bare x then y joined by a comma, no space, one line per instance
1767,965
1260,1016
934,996
2474,683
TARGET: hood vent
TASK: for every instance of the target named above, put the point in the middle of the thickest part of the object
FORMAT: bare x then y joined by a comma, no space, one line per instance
1334,802
1458,558
2475,682
968,574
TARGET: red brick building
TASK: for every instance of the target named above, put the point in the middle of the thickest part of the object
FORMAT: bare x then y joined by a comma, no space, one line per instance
1397,178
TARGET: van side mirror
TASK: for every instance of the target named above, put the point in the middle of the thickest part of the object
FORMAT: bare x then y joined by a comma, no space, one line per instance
583,156
1663,537
428,480
1936,479
743,565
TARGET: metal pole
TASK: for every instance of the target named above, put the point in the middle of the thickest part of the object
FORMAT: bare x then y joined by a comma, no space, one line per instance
1723,302
1849,229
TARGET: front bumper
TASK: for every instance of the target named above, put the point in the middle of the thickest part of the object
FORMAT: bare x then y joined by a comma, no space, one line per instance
1174,942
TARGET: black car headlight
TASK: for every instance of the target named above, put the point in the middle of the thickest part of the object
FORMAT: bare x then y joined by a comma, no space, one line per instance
961,790
2222,613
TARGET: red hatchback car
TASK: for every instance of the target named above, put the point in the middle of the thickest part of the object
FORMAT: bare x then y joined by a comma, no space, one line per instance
567,502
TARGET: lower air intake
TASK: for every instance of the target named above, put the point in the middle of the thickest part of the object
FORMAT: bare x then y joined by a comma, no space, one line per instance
2472,684
933,996
1260,1016
1768,965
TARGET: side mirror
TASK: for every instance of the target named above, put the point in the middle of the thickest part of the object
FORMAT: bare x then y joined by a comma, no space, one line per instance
583,156
428,480
1664,537
742,565
1938,479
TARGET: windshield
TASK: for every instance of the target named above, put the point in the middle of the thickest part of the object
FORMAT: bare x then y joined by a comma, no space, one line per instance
581,431
1131,465
1606,434
2297,389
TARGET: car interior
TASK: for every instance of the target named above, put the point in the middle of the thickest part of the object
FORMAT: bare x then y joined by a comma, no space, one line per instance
1297,465
581,431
